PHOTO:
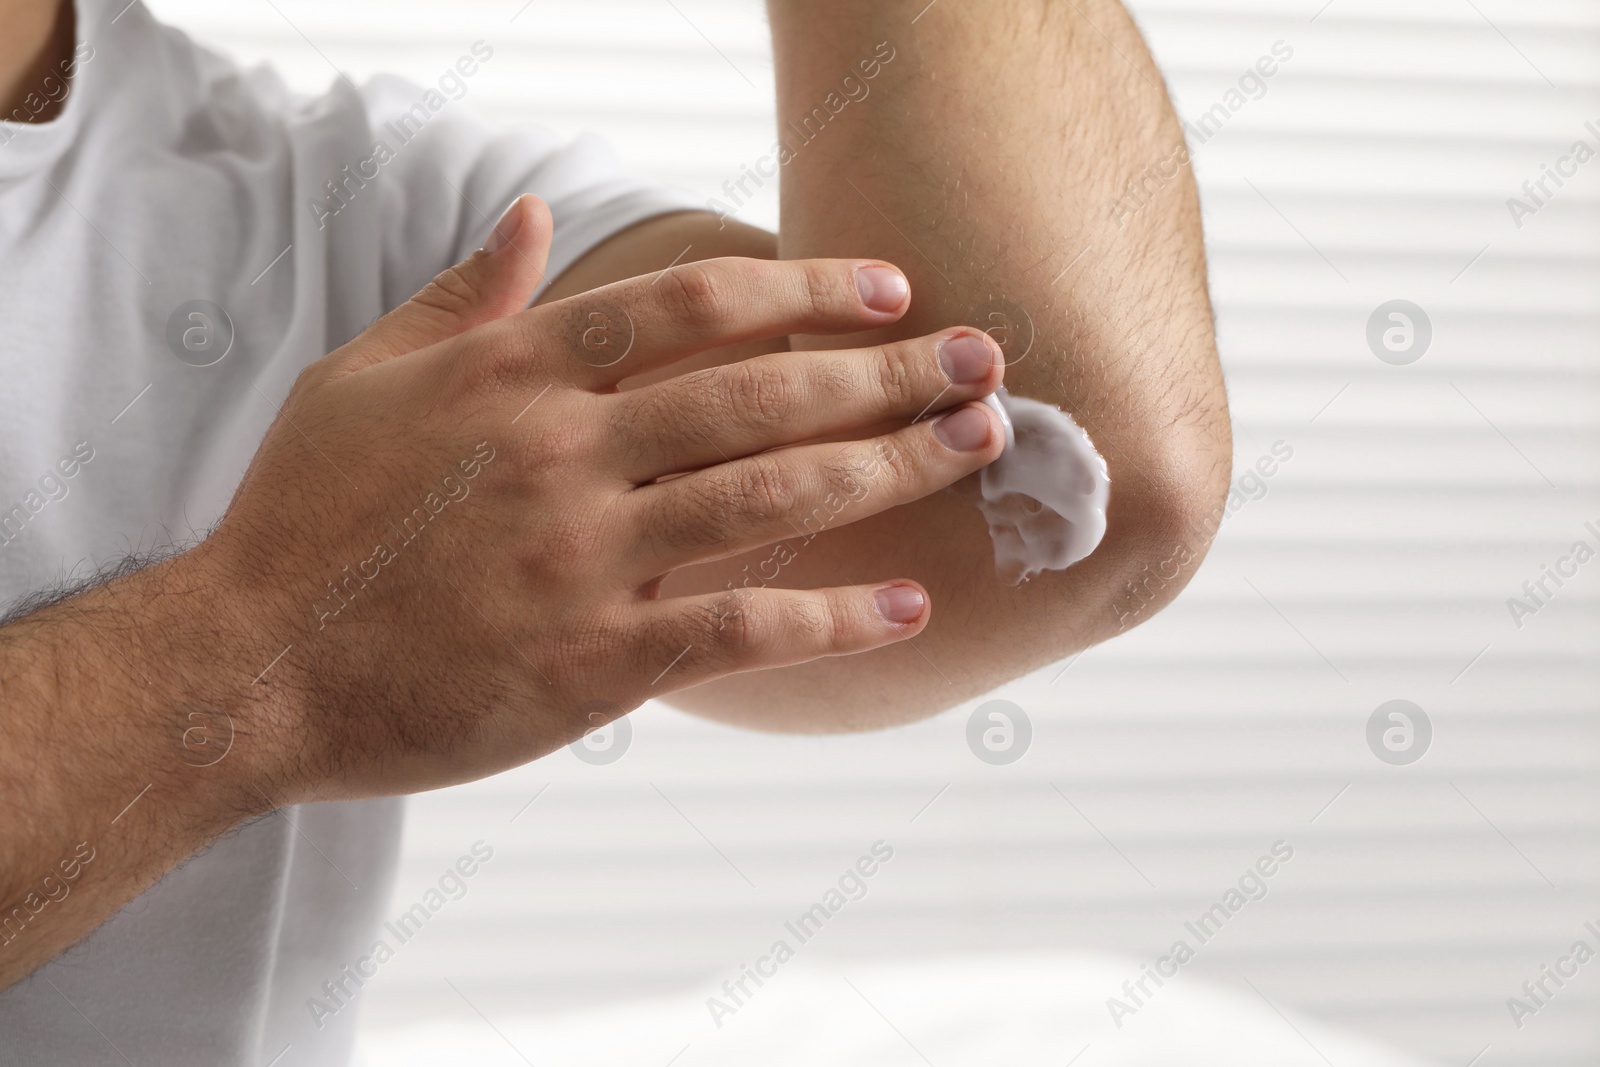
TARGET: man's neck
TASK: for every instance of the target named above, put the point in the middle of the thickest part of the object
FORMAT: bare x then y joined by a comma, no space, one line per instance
35,45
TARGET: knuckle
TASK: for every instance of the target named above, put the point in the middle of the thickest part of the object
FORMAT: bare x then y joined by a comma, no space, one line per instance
737,626
760,493
768,490
821,290
453,291
744,628
896,367
696,295
761,393
891,464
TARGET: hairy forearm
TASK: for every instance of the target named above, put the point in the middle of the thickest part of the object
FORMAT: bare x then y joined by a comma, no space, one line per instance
121,713
983,158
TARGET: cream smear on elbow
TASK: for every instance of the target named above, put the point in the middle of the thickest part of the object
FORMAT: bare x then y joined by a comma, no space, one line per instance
1045,497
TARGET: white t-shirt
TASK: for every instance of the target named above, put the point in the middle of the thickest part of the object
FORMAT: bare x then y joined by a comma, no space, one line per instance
174,177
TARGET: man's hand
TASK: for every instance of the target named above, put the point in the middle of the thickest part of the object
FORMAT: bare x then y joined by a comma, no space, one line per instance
445,559
465,540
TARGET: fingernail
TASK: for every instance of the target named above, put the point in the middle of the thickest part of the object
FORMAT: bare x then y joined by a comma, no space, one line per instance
882,288
966,430
967,358
505,231
900,603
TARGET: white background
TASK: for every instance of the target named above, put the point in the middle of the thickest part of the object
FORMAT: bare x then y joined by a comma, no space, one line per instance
1377,566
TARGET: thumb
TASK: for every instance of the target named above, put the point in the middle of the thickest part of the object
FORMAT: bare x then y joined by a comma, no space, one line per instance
495,281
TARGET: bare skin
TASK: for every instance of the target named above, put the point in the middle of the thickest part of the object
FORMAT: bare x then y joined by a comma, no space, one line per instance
982,161
584,562
37,40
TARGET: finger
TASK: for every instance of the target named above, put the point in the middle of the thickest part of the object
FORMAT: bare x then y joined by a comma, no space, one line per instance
633,326
696,639
495,281
800,492
725,413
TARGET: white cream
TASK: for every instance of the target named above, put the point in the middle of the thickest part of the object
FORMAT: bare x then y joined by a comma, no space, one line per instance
1046,496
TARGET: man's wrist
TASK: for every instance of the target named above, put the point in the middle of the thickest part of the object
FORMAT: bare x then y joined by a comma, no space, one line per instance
229,717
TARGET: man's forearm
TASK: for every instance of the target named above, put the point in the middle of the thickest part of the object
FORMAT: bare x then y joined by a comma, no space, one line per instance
980,146
125,721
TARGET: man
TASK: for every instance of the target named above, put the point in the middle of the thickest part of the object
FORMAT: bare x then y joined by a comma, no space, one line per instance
472,531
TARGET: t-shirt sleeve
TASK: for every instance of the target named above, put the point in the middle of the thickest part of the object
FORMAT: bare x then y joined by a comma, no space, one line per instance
451,174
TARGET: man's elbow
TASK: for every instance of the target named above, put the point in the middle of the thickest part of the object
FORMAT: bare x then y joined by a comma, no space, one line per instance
1168,500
